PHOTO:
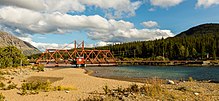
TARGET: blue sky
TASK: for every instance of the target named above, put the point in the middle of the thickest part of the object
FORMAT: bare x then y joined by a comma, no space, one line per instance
102,22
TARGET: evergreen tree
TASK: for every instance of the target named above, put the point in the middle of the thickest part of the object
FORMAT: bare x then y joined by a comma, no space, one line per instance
11,57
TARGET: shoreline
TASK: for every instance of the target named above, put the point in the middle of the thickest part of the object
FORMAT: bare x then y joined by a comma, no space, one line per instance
87,85
84,85
140,79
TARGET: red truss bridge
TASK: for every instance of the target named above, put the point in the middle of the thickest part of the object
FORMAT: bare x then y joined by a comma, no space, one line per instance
78,56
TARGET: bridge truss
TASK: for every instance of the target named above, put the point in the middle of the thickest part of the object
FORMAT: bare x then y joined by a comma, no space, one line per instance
77,55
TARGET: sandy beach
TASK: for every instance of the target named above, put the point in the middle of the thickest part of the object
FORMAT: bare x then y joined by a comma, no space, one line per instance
76,78
84,85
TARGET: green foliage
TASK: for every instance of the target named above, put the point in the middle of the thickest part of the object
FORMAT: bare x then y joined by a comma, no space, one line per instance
11,57
2,85
106,89
61,88
190,79
39,68
2,97
35,87
176,48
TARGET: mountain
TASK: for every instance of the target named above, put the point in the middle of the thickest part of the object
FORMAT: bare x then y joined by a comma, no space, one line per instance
7,39
203,29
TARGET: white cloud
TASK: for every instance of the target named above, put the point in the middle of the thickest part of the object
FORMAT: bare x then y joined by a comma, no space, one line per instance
114,9
150,24
165,3
152,9
98,28
206,3
130,35
46,5
122,8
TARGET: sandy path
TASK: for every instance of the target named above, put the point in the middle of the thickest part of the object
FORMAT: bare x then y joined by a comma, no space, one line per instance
73,77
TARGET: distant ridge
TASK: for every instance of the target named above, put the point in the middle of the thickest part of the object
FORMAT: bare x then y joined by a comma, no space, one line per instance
7,39
211,28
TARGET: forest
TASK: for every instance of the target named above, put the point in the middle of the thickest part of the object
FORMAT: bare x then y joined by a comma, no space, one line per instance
175,48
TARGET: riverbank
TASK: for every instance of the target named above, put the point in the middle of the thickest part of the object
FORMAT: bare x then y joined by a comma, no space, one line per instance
76,78
85,86
168,62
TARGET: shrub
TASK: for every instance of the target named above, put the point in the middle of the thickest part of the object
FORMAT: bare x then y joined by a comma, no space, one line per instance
182,89
2,97
190,79
2,85
61,88
35,87
134,88
106,89
39,68
11,86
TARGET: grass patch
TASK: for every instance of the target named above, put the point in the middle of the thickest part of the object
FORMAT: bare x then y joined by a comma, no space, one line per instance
43,79
36,87
152,89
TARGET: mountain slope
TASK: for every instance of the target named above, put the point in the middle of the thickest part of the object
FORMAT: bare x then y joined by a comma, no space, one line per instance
201,30
7,39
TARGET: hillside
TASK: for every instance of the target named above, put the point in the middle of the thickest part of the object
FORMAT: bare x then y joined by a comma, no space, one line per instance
205,45
7,39
200,30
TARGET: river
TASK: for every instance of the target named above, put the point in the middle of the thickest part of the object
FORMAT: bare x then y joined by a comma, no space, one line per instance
163,72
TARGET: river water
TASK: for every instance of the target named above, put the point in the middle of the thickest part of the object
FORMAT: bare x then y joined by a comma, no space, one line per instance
163,72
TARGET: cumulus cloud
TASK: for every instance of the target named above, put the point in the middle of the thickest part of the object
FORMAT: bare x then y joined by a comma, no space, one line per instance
150,24
165,3
130,35
206,3
122,8
27,20
46,5
114,9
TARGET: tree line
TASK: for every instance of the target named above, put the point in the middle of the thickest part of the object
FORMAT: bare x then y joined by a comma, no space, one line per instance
174,48
11,57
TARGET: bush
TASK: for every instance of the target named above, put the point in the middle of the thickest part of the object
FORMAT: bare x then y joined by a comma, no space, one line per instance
190,79
11,86
61,88
152,87
35,87
39,68
134,88
2,97
106,89
2,85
